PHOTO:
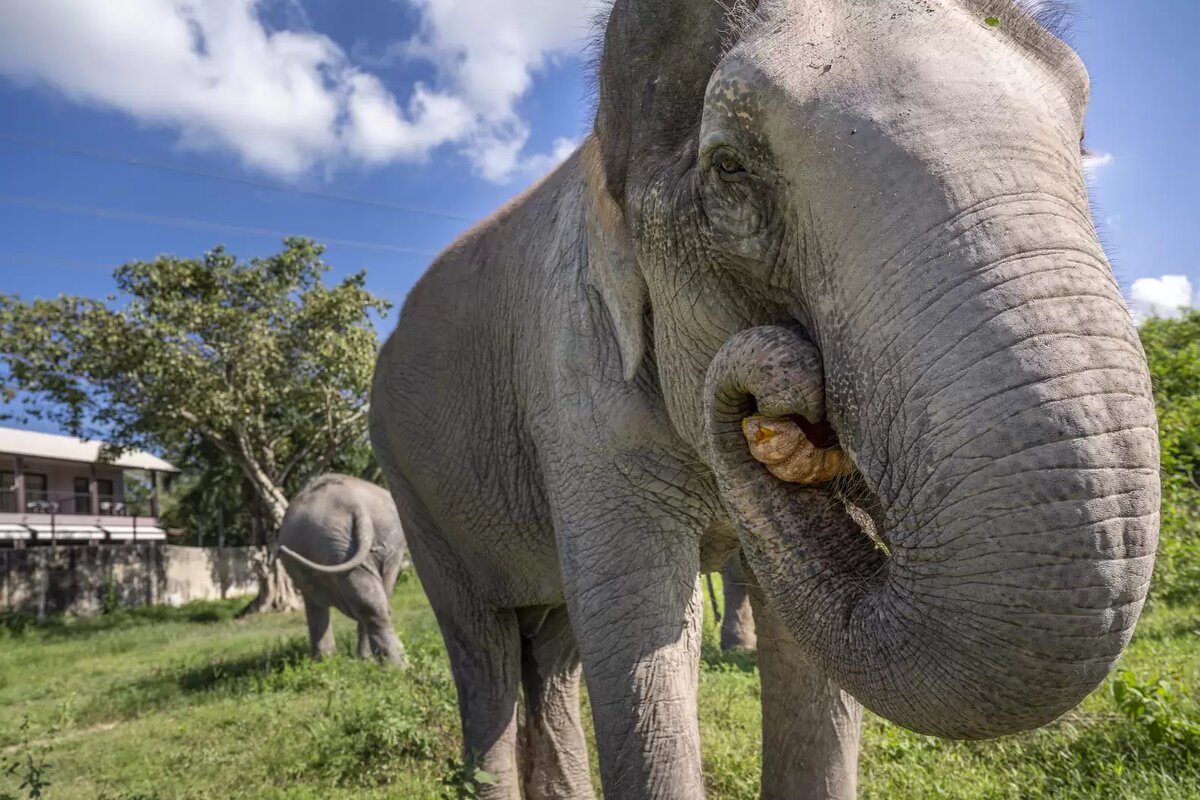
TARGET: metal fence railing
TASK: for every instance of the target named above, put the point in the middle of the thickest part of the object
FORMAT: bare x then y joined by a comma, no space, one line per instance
39,502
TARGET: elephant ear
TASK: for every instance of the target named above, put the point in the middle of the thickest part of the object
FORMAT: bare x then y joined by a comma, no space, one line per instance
612,265
657,58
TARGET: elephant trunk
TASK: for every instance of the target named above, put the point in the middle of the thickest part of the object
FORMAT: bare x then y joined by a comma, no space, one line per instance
1008,448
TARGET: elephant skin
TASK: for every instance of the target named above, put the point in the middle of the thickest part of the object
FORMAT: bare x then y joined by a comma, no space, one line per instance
869,219
737,623
343,546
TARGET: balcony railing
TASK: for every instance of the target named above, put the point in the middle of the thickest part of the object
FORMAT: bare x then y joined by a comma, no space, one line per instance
38,502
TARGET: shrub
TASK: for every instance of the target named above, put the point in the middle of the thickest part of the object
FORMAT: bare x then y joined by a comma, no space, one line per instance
15,624
25,767
1155,709
464,779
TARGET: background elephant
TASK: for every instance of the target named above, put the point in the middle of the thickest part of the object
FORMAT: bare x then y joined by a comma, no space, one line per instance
866,221
343,546
737,620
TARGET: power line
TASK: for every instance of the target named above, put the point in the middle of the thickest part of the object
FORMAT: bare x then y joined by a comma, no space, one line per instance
104,155
29,259
194,224
33,259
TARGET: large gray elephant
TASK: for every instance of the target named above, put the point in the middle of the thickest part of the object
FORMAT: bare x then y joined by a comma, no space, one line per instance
343,546
863,220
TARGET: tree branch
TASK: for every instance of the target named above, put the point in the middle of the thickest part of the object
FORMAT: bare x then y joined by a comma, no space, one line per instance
332,430
217,439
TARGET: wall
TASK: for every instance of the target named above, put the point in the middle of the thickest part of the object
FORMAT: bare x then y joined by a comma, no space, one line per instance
52,580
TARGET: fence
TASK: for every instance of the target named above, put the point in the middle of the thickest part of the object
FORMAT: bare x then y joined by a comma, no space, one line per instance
81,580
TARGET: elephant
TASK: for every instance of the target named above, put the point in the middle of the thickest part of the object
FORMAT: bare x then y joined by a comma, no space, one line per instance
342,544
863,227
737,622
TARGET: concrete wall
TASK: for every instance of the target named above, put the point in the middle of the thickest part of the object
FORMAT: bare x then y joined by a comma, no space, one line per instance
52,580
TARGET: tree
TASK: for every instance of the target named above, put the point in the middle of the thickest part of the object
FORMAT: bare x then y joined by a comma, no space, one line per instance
1173,351
256,360
212,494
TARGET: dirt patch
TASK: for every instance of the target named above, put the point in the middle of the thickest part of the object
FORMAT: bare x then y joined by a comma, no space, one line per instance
66,736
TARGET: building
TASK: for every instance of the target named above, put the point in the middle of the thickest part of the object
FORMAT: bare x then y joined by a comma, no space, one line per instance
55,490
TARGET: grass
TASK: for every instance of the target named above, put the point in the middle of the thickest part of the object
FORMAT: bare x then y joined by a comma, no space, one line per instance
187,703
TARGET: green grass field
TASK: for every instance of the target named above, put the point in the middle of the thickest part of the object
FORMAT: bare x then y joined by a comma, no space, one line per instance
187,703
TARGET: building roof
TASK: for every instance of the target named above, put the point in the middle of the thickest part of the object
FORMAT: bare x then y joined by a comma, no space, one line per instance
67,448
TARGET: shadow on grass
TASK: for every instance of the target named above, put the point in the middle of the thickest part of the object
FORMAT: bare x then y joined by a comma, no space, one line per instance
72,627
247,671
280,666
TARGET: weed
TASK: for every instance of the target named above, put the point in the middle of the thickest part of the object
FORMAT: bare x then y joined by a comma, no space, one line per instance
465,779
1154,708
26,766
111,602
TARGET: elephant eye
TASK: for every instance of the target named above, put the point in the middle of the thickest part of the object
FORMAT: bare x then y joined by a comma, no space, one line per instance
729,166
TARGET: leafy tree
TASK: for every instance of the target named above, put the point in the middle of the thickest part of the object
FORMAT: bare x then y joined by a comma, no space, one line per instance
212,494
1173,350
257,361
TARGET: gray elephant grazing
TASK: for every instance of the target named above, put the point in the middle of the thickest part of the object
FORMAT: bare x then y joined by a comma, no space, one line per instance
343,546
864,224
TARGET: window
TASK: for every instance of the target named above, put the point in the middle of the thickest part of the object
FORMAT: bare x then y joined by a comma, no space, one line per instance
37,498
83,496
8,491
108,503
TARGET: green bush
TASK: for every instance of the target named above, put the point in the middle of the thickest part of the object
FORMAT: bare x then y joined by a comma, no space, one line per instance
1155,709
368,741
15,624
1173,352
465,778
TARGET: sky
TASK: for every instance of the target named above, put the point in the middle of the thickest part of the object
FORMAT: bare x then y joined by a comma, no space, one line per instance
385,127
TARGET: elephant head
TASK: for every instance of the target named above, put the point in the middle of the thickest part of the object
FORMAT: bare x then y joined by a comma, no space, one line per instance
871,216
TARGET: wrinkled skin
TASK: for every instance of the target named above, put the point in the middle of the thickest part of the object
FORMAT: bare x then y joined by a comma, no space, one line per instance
350,525
737,621
866,215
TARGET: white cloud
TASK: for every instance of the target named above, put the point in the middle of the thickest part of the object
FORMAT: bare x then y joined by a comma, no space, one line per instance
1094,163
1167,297
288,100
545,162
489,50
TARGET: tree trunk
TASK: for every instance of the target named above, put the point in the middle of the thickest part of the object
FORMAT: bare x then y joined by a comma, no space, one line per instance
276,592
275,589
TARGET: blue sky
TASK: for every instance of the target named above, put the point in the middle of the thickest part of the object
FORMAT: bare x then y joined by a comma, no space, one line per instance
445,105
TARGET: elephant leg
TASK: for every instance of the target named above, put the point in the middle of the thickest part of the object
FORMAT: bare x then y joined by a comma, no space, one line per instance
483,644
320,630
364,642
390,575
554,752
737,625
484,647
811,728
633,588
374,615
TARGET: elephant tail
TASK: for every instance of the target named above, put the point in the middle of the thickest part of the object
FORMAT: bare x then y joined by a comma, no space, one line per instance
366,540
